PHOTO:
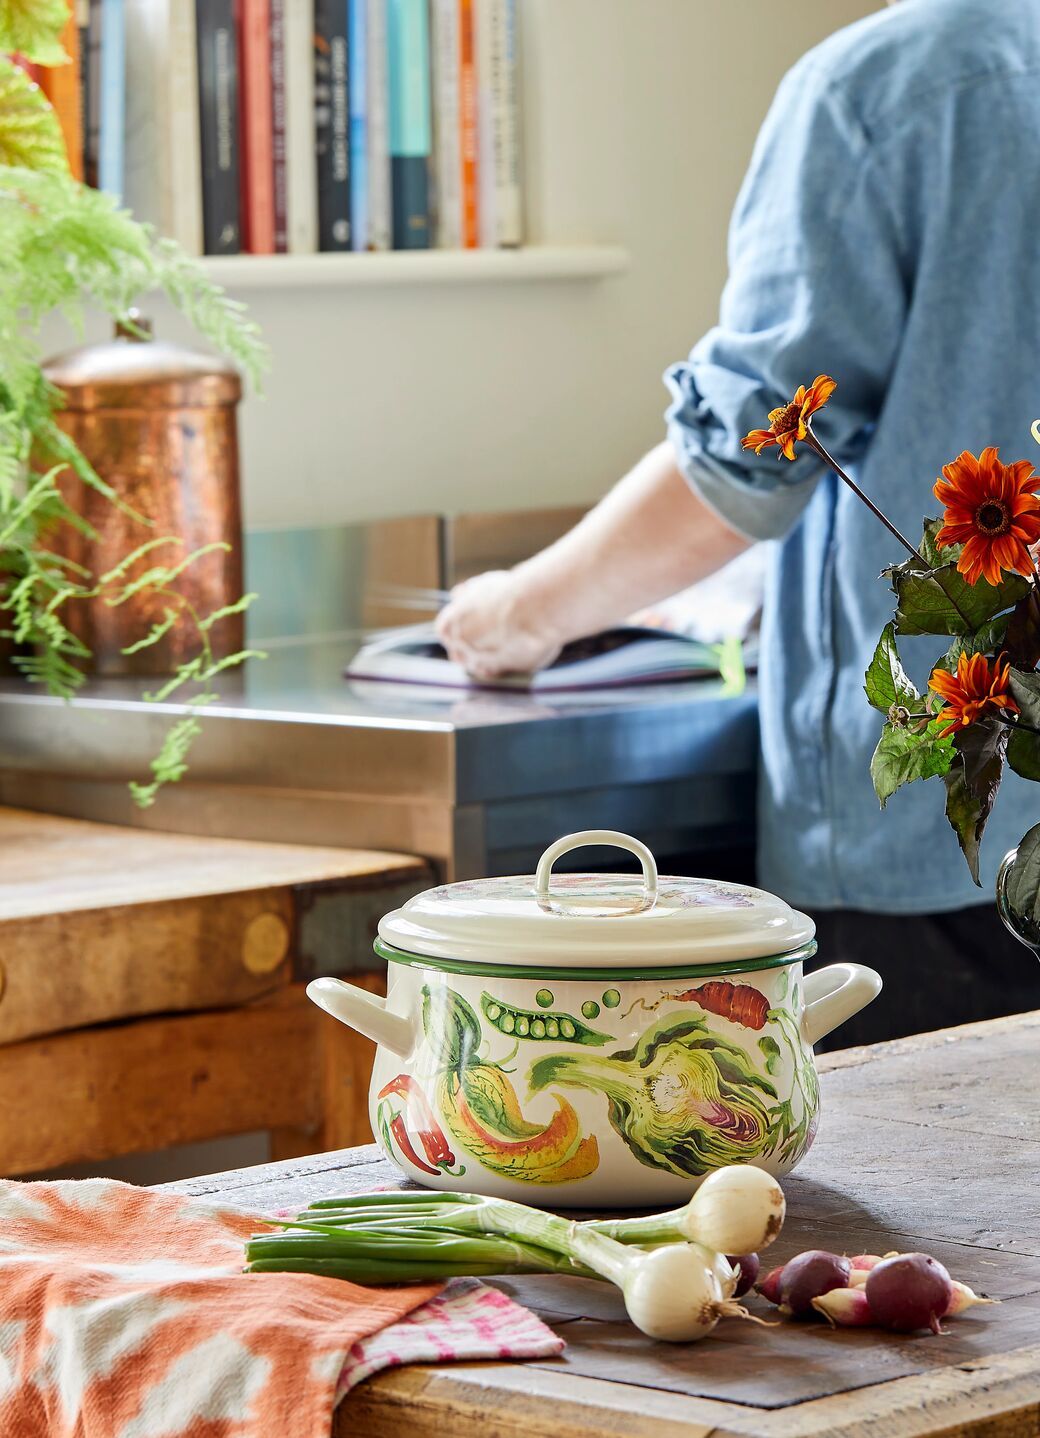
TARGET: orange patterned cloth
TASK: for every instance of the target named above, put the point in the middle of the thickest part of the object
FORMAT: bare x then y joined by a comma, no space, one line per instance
124,1313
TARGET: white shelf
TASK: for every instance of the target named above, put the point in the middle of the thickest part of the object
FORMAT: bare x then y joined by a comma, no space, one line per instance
414,267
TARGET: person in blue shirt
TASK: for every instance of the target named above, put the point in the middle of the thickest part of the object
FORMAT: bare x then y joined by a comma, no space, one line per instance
887,234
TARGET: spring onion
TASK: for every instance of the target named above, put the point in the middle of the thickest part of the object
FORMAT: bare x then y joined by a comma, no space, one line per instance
676,1284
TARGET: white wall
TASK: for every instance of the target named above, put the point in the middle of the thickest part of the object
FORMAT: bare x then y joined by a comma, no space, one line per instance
640,118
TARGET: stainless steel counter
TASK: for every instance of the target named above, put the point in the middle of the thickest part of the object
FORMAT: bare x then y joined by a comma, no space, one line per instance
478,782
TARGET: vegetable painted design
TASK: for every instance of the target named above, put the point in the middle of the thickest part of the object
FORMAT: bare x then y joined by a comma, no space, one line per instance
683,1099
532,1024
421,1119
481,1109
741,1003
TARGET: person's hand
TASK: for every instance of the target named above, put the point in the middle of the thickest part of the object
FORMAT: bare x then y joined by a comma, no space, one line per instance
490,627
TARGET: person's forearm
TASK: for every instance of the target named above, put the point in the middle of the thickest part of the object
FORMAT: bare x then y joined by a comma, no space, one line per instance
648,538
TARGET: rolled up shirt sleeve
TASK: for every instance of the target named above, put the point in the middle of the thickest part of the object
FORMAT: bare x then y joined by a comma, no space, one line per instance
819,283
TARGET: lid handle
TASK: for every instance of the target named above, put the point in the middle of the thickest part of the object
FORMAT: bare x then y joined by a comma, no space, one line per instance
596,836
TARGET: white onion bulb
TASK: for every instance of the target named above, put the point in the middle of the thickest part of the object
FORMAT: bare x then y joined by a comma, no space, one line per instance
739,1209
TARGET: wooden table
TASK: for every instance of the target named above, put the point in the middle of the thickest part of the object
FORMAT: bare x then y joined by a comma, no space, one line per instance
930,1143
152,989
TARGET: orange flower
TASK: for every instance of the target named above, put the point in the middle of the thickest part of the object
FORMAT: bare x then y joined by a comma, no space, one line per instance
992,509
787,424
974,689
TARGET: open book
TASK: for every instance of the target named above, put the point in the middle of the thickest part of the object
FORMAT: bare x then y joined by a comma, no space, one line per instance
626,655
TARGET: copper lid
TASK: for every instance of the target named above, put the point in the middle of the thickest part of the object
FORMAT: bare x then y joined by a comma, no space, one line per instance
137,372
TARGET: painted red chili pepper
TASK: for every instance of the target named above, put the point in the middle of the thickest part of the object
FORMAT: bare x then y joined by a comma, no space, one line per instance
740,1002
404,1143
421,1118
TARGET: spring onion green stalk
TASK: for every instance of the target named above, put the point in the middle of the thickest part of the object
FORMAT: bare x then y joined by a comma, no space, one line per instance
739,1209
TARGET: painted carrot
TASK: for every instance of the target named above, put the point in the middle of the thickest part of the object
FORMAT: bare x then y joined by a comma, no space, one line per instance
739,1002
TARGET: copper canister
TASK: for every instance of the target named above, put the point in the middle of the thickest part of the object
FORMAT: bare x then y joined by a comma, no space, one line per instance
158,423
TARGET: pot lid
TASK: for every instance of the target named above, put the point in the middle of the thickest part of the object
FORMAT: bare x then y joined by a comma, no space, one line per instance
596,920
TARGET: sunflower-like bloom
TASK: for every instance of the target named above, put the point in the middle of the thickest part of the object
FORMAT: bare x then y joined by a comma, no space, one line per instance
976,689
787,425
992,509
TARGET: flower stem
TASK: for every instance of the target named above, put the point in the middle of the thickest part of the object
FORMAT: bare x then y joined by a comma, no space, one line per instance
815,445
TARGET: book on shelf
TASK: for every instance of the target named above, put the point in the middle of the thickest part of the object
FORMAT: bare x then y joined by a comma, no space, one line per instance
411,130
163,156
626,655
291,126
278,149
301,175
446,57
380,218
332,123
218,111
256,125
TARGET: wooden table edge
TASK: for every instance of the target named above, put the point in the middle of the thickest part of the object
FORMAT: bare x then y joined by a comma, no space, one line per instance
530,1401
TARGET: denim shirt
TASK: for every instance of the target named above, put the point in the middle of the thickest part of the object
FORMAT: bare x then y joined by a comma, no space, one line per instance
888,234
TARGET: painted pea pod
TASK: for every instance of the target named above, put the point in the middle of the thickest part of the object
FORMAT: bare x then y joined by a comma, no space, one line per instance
539,1024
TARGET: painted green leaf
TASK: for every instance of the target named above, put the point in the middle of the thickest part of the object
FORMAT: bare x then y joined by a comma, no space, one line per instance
771,1052
30,136
886,681
33,28
938,600
903,755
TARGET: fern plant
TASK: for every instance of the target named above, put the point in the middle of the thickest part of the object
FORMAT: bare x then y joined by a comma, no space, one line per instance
64,247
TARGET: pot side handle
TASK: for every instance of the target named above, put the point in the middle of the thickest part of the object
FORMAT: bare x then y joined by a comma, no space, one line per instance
364,1012
833,995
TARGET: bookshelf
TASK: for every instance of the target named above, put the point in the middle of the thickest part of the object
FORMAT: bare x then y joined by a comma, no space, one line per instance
417,267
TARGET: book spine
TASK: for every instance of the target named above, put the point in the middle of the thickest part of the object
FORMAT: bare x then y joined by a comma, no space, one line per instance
92,142
278,150
411,133
146,119
357,47
111,155
181,207
218,125
61,85
505,103
380,215
332,123
447,134
253,26
301,176
82,16
468,124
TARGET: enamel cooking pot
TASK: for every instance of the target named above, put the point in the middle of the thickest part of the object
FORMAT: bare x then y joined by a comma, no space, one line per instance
595,1040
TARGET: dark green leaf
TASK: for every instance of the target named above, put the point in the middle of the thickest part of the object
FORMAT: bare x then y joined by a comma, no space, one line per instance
1023,631
938,600
1025,690
1022,885
886,682
971,786
981,747
1023,753
902,755
988,640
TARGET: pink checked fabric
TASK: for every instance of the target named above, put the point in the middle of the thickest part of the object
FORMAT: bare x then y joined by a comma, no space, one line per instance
124,1313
